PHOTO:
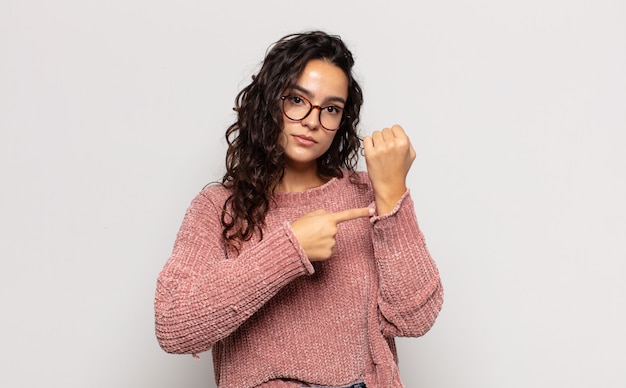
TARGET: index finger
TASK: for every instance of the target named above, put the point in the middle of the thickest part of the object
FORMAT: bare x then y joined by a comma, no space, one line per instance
352,214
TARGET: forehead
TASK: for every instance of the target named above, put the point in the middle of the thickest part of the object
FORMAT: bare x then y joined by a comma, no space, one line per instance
321,79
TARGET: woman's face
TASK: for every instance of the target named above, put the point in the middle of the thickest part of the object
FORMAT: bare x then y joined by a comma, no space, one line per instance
322,84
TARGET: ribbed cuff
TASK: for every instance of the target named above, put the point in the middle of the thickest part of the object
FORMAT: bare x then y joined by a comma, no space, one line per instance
393,211
298,248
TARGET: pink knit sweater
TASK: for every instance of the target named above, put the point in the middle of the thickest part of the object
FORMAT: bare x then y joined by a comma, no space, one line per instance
274,319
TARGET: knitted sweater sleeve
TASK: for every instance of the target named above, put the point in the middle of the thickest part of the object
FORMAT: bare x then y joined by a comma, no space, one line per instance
202,295
410,294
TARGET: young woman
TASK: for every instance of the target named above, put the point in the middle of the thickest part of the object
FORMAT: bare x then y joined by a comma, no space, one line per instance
297,270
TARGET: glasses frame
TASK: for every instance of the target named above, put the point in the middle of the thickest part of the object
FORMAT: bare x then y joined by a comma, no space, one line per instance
311,107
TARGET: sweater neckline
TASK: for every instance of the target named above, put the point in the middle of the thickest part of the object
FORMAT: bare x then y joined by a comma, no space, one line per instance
300,198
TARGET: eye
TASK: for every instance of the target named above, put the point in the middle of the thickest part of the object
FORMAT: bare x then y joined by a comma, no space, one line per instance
334,110
295,100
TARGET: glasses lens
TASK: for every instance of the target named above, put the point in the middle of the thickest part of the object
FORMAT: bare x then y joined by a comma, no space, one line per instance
330,117
296,108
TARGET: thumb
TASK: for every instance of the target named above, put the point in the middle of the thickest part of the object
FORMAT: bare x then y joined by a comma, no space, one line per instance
352,214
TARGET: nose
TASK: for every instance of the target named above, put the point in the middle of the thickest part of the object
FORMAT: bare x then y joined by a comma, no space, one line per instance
312,120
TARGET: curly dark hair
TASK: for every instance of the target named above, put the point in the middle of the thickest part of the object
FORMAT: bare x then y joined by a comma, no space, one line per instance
255,160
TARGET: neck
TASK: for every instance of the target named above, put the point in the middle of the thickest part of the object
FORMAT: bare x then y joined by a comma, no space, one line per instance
297,179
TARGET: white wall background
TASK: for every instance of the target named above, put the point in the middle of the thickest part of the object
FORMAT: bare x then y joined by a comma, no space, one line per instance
112,115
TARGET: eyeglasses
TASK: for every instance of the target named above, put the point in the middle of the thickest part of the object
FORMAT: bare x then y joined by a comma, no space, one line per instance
297,108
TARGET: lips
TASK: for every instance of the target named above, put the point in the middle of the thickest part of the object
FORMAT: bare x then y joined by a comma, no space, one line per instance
304,140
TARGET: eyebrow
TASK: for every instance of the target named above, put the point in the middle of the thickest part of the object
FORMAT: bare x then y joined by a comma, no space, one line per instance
310,95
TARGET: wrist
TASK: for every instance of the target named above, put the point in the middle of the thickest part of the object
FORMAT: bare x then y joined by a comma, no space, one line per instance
387,201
